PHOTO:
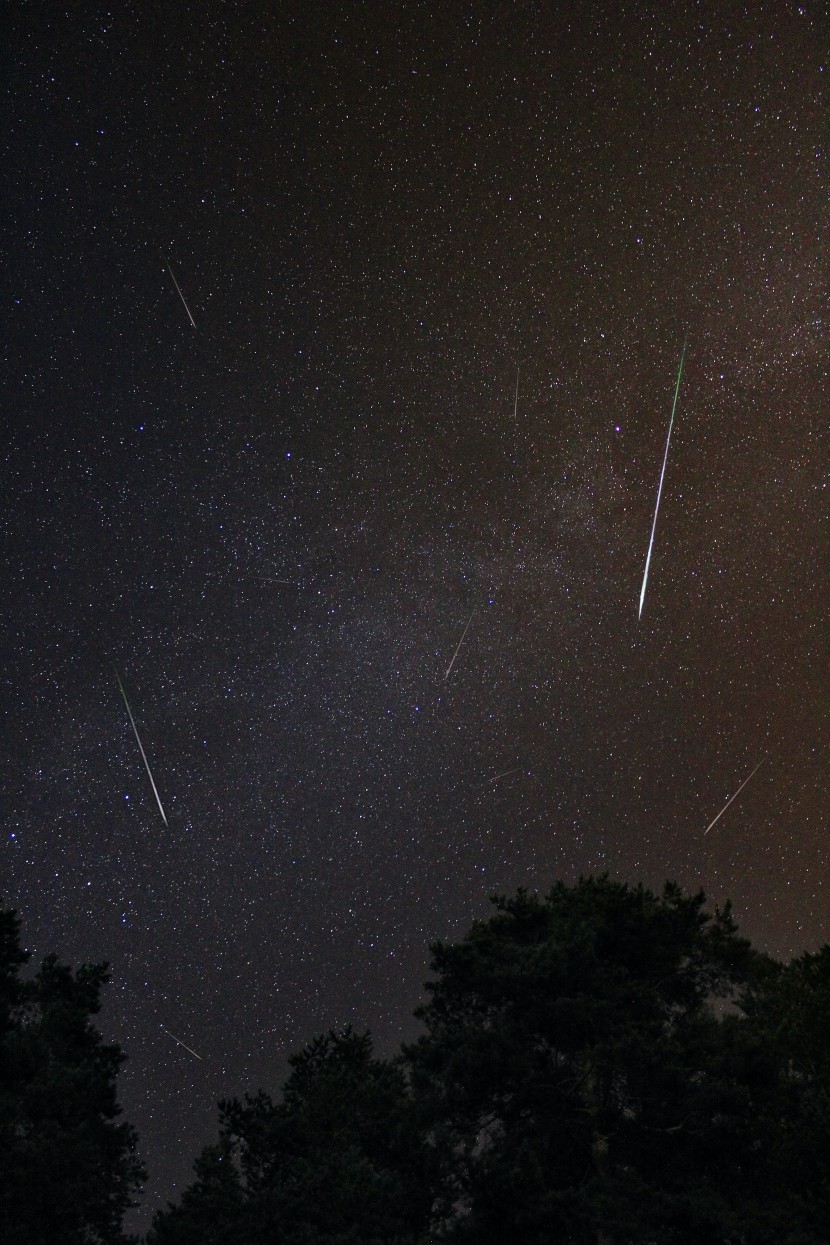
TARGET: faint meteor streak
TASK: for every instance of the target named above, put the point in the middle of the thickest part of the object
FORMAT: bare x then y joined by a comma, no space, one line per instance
660,487
458,646
516,397
181,1043
506,773
141,749
735,796
181,296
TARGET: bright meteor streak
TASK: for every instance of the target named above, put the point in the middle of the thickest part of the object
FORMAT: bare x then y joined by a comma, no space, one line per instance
181,296
516,398
735,796
660,488
140,747
458,646
181,1043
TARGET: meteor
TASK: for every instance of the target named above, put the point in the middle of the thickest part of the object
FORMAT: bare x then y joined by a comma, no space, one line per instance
660,488
181,1043
506,773
516,398
735,796
458,646
181,296
140,747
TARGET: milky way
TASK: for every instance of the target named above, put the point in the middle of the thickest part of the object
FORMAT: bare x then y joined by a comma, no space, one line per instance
277,526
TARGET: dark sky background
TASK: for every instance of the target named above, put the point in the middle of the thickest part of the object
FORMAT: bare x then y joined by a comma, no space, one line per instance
276,525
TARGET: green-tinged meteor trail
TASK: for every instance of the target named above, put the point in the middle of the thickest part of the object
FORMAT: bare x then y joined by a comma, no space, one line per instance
660,487
140,748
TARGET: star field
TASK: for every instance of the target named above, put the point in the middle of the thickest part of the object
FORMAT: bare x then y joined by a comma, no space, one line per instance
276,525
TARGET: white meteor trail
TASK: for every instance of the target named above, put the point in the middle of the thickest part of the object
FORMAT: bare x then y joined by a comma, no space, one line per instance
458,646
181,296
735,796
140,747
189,1050
516,397
660,487
506,773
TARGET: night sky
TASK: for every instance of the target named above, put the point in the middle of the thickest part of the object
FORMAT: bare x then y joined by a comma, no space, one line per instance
276,525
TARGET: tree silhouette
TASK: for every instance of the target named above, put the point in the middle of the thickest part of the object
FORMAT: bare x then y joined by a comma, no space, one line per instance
600,1066
68,1168
575,1073
339,1161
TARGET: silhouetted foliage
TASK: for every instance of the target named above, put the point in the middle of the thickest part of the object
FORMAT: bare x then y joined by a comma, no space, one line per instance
338,1161
68,1169
601,1065
786,1034
570,1069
